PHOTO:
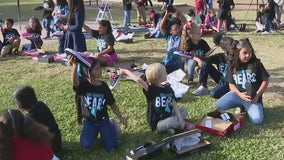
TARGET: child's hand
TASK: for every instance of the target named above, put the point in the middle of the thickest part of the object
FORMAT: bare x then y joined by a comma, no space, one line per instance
72,60
244,96
121,71
66,27
182,124
124,121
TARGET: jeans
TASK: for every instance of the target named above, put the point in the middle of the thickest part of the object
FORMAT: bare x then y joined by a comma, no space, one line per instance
221,89
171,122
191,66
208,68
127,17
46,25
231,100
91,130
269,25
279,12
61,42
35,44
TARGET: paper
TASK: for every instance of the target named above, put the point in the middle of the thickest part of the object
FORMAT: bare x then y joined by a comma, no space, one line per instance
208,123
174,79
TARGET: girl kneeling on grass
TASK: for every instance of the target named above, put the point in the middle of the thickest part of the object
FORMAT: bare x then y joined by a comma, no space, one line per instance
105,43
163,114
95,97
247,80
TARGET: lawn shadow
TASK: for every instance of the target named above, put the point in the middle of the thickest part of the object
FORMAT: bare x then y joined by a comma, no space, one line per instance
276,81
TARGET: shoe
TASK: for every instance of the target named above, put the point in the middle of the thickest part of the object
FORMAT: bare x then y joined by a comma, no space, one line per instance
80,57
171,131
190,83
27,35
240,111
200,91
114,80
58,34
265,32
189,126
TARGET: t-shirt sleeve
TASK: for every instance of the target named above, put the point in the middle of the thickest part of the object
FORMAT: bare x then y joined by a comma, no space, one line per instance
264,75
17,33
214,59
206,47
229,77
109,96
110,40
81,87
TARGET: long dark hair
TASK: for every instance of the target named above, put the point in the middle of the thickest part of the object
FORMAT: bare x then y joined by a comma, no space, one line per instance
106,23
62,3
73,6
233,56
38,26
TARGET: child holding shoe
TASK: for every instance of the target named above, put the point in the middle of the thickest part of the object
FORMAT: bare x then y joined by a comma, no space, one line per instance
95,98
34,30
247,80
163,113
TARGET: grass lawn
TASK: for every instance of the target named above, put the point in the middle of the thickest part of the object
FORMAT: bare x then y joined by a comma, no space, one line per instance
53,86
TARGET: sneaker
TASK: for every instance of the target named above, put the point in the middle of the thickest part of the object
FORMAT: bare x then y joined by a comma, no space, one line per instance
80,57
171,131
58,34
240,111
114,80
200,91
190,83
184,54
265,32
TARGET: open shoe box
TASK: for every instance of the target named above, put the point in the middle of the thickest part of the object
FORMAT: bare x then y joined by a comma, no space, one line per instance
152,151
219,126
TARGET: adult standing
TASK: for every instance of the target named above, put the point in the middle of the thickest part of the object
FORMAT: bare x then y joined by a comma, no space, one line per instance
74,38
225,6
48,7
127,6
280,4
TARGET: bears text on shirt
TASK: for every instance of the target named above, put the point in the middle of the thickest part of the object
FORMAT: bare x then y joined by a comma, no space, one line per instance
94,102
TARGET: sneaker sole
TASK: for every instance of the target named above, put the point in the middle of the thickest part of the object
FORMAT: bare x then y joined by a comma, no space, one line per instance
78,56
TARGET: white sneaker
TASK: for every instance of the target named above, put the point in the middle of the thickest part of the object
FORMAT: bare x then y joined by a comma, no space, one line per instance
265,32
200,91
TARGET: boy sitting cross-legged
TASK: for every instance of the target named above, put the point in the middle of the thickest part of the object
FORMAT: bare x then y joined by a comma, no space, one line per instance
163,114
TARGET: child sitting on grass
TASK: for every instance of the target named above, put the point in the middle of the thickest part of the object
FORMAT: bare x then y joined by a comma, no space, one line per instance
248,79
95,97
105,43
163,114
26,100
34,30
11,38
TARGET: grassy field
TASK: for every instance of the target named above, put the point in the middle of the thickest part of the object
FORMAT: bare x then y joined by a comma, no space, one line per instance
53,86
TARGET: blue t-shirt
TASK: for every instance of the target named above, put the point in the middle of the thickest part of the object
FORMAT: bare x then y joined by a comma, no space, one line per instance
173,44
63,10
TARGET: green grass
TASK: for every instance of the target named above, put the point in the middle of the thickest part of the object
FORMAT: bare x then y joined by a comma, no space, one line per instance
53,86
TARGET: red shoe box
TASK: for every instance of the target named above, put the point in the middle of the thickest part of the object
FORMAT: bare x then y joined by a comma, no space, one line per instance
219,126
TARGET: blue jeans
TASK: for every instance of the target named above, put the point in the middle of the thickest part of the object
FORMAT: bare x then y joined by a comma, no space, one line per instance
46,25
91,130
127,17
221,89
61,42
231,100
269,25
191,66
